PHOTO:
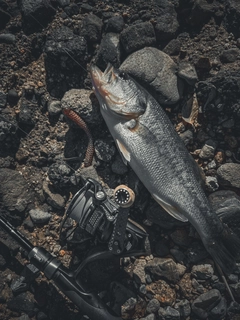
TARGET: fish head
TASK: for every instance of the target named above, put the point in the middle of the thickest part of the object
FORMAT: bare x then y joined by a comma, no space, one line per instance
117,92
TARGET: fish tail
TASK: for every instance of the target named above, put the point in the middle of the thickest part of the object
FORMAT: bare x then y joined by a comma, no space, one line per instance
224,249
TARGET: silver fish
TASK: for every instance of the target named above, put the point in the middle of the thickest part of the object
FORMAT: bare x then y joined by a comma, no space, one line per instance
148,142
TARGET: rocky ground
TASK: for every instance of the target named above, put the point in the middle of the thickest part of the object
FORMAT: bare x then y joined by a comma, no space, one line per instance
186,53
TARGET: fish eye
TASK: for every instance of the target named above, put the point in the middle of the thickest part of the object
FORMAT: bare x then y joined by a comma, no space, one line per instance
123,75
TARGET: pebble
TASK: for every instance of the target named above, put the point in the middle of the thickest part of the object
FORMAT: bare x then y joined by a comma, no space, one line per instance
202,271
115,24
39,216
7,38
104,150
187,137
54,108
229,175
161,248
54,199
230,55
24,317
151,316
220,310
22,303
208,150
203,305
165,268
173,47
184,308
137,36
157,71
92,28
41,316
153,306
187,72
168,313
12,97
211,184
118,166
3,99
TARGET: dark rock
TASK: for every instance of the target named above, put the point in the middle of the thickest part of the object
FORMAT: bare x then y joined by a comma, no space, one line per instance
230,55
22,303
39,216
232,18
184,308
92,28
41,316
161,249
168,313
203,305
173,47
54,199
109,51
202,11
187,72
63,3
178,255
232,279
122,295
219,312
208,150
71,10
3,99
167,24
202,271
137,36
139,272
86,8
211,184
115,24
104,150
65,61
156,71
3,263
153,306
164,268
187,137
36,13
60,175
12,97
233,310
8,129
196,253
180,237
14,191
28,224
83,102
149,317
203,63
229,175
7,38
26,114
235,289
4,18
24,317
118,166
54,108
19,285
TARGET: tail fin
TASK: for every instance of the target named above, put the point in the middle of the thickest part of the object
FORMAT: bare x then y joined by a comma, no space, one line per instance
225,249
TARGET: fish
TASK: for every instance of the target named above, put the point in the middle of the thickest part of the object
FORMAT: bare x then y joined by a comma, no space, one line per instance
148,142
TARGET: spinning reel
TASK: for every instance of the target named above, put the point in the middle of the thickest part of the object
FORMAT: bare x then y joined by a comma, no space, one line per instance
106,222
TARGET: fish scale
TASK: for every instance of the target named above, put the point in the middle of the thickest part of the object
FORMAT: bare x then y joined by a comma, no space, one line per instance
148,142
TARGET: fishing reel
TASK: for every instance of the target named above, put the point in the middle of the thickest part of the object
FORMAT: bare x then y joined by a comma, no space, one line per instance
96,217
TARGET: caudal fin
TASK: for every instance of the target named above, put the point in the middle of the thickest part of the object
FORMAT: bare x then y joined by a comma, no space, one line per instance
225,250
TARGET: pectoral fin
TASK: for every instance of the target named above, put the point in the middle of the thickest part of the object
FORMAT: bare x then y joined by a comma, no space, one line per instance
173,211
126,157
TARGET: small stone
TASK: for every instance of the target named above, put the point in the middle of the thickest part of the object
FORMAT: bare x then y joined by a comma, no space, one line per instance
162,292
104,150
211,183
203,271
219,312
22,303
139,271
92,28
54,108
204,63
161,248
229,175
3,99
129,305
41,316
208,150
7,38
40,217
180,237
230,55
24,317
168,313
184,308
12,97
118,166
153,306
173,47
205,303
137,36
115,24
163,267
54,199
188,73
219,157
19,285
187,137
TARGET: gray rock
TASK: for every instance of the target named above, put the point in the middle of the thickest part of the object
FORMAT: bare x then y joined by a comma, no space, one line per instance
173,47
104,150
83,102
184,308
202,271
167,24
22,303
7,38
187,137
208,150
139,271
137,36
39,216
129,305
233,309
211,184
3,99
153,306
109,51
118,166
54,108
203,305
19,285
54,199
24,317
232,17
229,175
63,3
168,313
236,289
15,193
115,24
187,72
42,316
230,55
92,28
164,268
155,70
219,312
149,317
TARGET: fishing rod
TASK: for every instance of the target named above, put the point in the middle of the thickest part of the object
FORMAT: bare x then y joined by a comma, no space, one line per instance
103,220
